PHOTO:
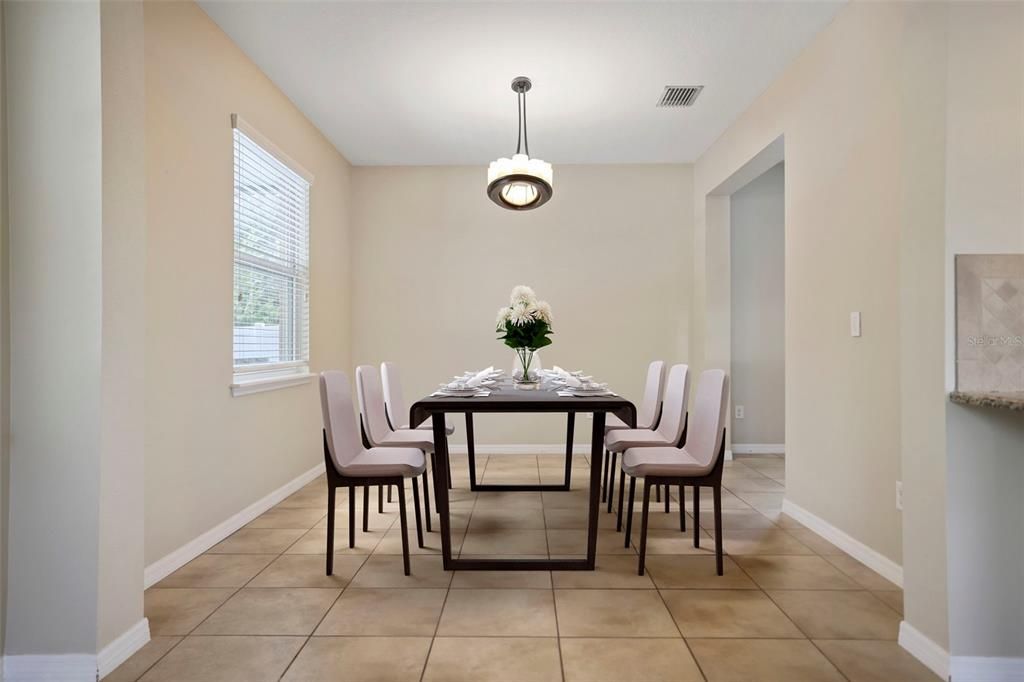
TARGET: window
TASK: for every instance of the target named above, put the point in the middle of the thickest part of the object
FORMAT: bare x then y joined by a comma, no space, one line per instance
271,289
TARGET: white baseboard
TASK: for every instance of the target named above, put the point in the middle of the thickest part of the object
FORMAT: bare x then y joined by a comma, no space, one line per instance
121,649
161,568
858,550
759,448
986,669
925,650
65,668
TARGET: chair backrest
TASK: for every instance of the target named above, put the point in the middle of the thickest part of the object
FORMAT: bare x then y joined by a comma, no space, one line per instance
339,418
397,413
371,404
704,439
648,412
673,412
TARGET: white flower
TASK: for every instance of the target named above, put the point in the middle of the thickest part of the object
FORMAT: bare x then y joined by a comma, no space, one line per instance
520,315
543,311
523,294
503,316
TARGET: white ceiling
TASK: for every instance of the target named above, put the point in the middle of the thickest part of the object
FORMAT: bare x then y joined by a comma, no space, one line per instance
428,82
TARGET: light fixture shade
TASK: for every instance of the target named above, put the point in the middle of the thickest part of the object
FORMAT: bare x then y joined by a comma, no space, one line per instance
519,183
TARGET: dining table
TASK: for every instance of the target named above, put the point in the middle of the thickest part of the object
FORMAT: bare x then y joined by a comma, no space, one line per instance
504,398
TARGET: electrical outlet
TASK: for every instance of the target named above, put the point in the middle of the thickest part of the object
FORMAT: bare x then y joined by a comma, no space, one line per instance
899,495
739,412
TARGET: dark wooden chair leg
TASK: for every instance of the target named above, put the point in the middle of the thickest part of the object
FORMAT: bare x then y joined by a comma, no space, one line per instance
330,528
351,517
622,490
389,495
366,509
568,447
682,510
611,482
668,498
718,528
629,511
604,477
405,524
643,524
426,494
696,516
657,493
380,498
471,451
416,509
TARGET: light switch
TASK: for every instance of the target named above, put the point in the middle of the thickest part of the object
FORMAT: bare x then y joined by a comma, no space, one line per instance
854,324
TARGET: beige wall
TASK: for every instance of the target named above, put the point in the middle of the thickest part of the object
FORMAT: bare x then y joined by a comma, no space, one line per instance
757,269
209,455
434,259
5,339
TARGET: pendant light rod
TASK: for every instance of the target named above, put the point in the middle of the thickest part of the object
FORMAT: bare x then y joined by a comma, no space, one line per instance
521,85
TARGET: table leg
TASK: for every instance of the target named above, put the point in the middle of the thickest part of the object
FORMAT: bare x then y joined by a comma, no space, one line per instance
568,449
440,485
471,450
596,455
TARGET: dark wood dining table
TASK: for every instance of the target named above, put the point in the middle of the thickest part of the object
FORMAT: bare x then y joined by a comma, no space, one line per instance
506,399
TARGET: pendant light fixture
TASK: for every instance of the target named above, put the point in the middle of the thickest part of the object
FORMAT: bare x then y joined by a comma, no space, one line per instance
520,183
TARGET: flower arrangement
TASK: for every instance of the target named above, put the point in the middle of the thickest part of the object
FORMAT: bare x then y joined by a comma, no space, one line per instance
525,325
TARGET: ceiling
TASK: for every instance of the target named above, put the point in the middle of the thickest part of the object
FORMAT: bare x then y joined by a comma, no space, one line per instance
427,83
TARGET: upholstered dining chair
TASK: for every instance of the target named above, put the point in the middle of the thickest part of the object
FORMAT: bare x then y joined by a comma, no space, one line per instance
377,433
350,466
398,414
646,417
671,430
698,463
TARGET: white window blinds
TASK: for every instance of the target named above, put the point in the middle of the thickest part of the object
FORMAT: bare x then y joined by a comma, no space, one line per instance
271,289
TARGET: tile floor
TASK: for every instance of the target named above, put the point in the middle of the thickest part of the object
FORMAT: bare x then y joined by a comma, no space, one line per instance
790,607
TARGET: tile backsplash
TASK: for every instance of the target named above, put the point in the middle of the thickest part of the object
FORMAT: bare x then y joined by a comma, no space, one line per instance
990,323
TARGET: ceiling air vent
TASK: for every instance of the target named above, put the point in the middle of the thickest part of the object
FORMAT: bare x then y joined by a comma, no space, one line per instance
680,95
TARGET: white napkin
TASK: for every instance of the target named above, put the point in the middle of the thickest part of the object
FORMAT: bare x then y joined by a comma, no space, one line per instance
480,376
569,379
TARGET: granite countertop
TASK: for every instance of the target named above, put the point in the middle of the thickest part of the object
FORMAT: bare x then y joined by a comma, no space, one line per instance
1005,401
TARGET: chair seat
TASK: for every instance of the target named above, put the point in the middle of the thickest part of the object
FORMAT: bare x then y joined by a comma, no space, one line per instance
449,427
409,438
623,439
613,423
386,462
662,461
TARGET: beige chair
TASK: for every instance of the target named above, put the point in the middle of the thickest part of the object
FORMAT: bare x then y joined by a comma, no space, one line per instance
699,463
377,433
671,430
646,418
349,465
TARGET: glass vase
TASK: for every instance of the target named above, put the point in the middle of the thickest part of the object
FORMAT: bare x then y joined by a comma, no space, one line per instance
527,378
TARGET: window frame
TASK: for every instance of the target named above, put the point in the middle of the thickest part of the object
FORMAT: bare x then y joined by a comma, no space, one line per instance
259,377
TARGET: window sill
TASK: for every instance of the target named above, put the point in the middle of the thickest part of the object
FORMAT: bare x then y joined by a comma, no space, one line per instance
246,385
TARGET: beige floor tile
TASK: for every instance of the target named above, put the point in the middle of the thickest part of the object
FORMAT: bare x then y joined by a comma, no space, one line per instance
306,498
386,612
772,541
538,580
794,573
389,571
763,502
285,517
142,660
308,570
391,543
177,611
872,661
498,612
572,499
696,572
657,519
612,573
505,542
728,613
226,659
753,485
360,659
613,613
861,574
501,519
762,660
892,598
377,521
494,659
270,611
831,614
257,541
315,542
562,519
218,570
617,660
820,545
563,542
511,500
674,542
738,519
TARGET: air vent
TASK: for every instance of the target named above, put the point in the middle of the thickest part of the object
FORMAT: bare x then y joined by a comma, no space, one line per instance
680,95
